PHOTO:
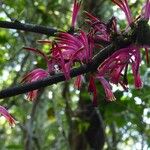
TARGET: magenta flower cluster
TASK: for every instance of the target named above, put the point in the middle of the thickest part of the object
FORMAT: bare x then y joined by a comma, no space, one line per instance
69,49
8,117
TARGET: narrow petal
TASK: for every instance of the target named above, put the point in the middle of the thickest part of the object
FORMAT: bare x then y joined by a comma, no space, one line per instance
62,62
147,55
147,10
8,117
37,51
109,94
32,95
138,82
76,8
92,89
78,82
123,4
34,75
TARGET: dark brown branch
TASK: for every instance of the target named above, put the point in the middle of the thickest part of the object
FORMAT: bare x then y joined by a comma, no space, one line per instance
28,27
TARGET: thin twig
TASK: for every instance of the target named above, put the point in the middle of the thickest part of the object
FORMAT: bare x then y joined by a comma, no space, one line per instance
28,27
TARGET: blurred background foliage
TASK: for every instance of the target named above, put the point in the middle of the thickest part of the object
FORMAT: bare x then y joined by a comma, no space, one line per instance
62,118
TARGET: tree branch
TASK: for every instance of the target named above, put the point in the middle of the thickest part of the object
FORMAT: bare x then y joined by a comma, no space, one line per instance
38,29
28,27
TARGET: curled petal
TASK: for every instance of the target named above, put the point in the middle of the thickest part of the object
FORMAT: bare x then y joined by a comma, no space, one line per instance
135,69
109,94
99,28
146,9
45,41
78,82
123,4
37,52
74,47
116,74
62,62
76,8
138,82
34,75
32,95
92,89
8,117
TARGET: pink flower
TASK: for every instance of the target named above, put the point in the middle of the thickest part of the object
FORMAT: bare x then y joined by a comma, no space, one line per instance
135,63
39,74
113,67
146,9
138,82
78,82
32,76
123,4
98,27
73,48
76,8
8,117
55,62
92,89
42,54
59,60
107,88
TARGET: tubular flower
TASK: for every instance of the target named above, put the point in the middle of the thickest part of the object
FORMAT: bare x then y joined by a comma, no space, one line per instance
53,66
59,60
55,58
42,54
114,66
107,88
135,63
138,82
76,8
92,89
74,48
146,12
123,4
78,82
98,27
8,117
34,75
